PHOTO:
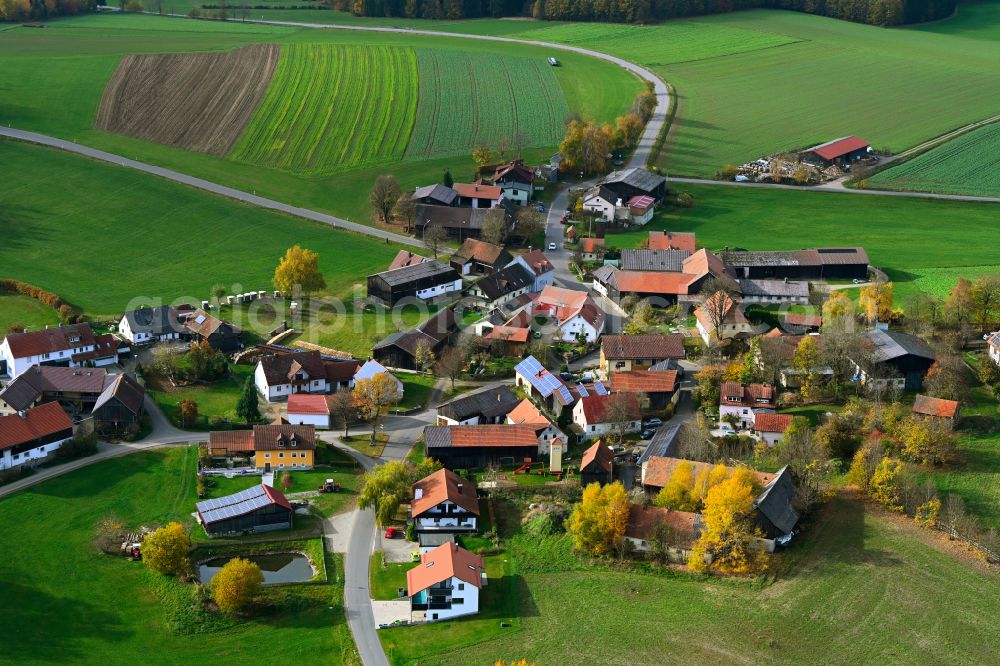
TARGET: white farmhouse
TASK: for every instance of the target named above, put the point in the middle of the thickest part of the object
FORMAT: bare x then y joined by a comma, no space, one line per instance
68,346
445,584
28,437
149,325
444,503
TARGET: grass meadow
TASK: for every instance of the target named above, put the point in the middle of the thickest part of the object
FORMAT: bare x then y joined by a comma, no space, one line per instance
64,601
967,164
17,309
976,20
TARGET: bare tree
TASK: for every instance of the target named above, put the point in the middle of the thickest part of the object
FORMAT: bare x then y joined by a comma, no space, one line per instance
620,413
450,364
495,226
518,141
344,411
384,196
529,224
434,237
718,302
405,209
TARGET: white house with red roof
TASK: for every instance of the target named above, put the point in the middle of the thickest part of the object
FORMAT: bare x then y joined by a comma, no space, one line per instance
308,409
444,502
593,414
69,346
770,428
445,584
994,348
733,322
31,435
576,313
746,402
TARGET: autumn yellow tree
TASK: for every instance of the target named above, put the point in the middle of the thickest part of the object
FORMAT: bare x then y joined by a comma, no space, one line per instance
875,301
585,146
927,442
236,585
373,396
482,155
299,267
805,361
727,543
598,522
885,483
838,309
707,478
677,494
167,550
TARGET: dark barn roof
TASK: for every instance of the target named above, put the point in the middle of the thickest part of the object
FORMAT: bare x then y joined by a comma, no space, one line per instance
488,403
128,392
414,272
889,345
160,320
775,503
506,281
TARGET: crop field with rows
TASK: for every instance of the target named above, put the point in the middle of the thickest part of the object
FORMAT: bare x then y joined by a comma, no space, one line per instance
333,107
968,164
468,98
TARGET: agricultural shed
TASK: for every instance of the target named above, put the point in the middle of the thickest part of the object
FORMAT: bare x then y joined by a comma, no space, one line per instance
399,349
477,446
489,405
119,408
425,280
840,152
257,509
306,409
597,464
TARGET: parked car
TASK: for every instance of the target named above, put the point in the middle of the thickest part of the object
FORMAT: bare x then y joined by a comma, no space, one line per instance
647,434
858,281
552,247
653,422
391,532
553,61
540,208
568,376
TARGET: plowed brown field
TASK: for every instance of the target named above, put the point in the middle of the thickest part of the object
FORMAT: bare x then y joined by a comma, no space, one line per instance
198,102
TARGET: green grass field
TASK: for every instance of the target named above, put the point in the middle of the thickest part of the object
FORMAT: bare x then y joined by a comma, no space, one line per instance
467,100
65,601
968,164
856,589
333,107
105,218
17,309
975,20
215,401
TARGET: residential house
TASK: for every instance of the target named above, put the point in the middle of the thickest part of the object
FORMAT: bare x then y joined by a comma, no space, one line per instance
782,292
517,181
658,287
993,348
823,263
604,203
280,375
477,195
444,502
406,258
477,257
512,336
75,389
461,223
503,286
445,584
745,402
841,152
591,249
577,314
669,261
267,448
936,409
597,464
641,209
119,408
148,325
435,195
894,359
491,405
478,446
732,324
594,414
308,409
220,335
653,390
70,346
426,280
538,263
257,509
770,427
635,181
28,437
547,432
372,368
543,385
672,240
643,530
399,349
623,353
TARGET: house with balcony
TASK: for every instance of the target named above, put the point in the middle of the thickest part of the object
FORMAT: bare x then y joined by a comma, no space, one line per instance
443,503
67,346
446,584
741,403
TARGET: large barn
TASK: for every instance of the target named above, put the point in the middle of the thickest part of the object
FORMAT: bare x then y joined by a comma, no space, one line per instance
257,509
840,152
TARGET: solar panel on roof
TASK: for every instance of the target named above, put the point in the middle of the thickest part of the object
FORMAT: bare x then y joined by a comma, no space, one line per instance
583,391
599,388
199,319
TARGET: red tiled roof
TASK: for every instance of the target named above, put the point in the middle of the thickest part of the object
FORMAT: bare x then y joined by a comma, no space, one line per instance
630,347
444,485
595,407
599,452
660,469
772,422
703,263
49,340
494,435
796,319
406,258
538,262
231,440
37,422
526,413
444,562
591,244
642,520
752,395
565,304
509,333
641,201
831,150
642,381
671,240
928,406
276,496
473,191
653,282
306,403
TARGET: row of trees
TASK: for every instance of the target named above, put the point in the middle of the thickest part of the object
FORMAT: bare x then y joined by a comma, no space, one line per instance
876,12
34,10
586,144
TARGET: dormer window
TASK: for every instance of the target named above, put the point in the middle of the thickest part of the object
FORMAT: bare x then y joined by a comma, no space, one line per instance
294,442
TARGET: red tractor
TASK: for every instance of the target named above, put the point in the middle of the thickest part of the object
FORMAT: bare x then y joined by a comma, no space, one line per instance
329,487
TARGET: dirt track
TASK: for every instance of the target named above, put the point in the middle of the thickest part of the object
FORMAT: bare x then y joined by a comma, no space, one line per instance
197,101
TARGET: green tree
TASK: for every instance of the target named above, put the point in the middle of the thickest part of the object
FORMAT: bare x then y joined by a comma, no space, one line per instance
167,550
248,406
447,179
236,585
387,486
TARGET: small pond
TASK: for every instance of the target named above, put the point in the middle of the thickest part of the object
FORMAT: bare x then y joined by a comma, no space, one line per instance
277,568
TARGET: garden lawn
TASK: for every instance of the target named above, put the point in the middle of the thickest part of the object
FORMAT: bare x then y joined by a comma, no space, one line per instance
386,579
328,504
333,107
105,218
416,389
857,590
216,401
967,164
63,601
17,309
469,98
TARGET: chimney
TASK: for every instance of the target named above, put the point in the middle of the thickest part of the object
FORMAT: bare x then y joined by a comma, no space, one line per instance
22,413
459,486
